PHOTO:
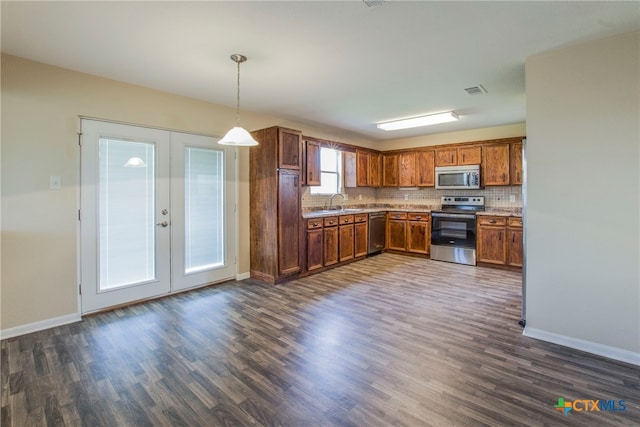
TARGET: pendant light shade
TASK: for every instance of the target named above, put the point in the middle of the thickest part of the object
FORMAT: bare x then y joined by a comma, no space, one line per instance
238,136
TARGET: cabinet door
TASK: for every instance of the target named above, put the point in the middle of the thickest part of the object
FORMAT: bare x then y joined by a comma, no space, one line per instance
495,165
418,237
288,222
346,242
375,170
515,163
492,245
362,168
289,149
314,248
313,163
330,245
446,157
396,234
361,239
469,155
514,242
407,166
349,166
425,170
390,170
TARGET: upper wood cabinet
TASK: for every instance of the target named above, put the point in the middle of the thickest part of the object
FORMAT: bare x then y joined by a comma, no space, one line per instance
469,155
375,169
390,170
289,149
312,169
495,164
350,169
424,169
407,167
515,163
453,156
362,168
446,157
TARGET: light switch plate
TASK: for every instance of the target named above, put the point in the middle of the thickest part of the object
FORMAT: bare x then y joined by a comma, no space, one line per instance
512,199
55,182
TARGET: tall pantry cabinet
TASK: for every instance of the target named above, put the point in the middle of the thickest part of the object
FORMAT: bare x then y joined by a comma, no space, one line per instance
275,204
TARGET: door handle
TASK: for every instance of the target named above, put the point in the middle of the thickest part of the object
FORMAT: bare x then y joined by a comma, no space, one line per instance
163,224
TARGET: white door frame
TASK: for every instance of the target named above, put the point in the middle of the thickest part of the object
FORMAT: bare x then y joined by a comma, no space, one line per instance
231,228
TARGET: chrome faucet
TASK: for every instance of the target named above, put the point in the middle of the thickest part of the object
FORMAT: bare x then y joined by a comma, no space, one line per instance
331,200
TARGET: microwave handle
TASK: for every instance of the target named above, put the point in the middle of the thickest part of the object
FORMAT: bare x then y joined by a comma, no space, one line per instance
467,179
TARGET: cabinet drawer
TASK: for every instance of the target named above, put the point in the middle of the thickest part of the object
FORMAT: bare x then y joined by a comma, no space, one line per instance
515,222
330,221
397,215
314,223
492,220
361,217
415,216
346,219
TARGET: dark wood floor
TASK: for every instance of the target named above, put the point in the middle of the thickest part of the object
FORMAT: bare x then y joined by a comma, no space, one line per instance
390,340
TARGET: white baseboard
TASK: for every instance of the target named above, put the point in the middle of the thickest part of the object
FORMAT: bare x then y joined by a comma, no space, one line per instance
242,276
583,345
39,326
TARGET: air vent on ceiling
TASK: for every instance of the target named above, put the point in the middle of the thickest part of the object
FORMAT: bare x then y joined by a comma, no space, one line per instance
476,90
373,3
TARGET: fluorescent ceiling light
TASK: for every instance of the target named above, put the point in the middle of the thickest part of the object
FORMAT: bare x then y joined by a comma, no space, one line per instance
432,119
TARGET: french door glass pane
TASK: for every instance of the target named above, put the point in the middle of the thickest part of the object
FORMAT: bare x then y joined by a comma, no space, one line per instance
204,209
126,213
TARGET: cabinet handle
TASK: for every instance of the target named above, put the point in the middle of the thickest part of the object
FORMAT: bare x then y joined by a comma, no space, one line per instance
418,217
500,236
513,239
492,221
330,222
315,224
463,157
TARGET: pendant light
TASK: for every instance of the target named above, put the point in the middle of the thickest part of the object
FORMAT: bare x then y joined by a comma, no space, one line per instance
238,136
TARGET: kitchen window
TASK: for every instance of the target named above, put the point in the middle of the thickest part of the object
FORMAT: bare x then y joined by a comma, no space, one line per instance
330,172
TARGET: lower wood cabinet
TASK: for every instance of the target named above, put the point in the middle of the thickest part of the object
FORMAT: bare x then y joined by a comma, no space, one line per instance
315,243
418,233
346,238
332,240
500,240
409,232
514,242
397,231
361,231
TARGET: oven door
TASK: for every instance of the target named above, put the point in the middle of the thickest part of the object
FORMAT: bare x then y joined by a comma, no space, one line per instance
450,229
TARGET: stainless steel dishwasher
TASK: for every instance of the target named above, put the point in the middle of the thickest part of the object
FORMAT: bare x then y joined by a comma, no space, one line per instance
377,228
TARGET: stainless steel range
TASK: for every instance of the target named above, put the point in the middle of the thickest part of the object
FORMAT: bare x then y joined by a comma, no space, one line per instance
453,229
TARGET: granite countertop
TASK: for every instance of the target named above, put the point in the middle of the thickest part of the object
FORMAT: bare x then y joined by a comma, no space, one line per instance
390,208
351,211
500,212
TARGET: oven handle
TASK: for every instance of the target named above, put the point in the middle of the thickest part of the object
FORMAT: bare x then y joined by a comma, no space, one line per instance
452,215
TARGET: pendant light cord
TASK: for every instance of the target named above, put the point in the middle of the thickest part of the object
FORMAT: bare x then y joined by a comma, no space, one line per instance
238,98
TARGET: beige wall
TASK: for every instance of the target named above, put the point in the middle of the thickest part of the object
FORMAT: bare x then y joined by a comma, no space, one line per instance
496,132
40,108
583,205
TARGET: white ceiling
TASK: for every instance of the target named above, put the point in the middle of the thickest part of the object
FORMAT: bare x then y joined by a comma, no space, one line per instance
336,63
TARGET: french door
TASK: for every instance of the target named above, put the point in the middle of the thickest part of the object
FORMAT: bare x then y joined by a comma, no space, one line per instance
157,213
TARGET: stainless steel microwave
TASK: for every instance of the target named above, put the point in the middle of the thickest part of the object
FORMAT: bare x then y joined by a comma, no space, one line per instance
458,177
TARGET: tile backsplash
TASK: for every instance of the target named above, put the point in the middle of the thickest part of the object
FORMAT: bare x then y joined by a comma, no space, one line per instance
495,197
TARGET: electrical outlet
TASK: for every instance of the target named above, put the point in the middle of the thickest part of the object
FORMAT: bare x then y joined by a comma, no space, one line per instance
359,196
406,197
512,199
55,182
346,196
